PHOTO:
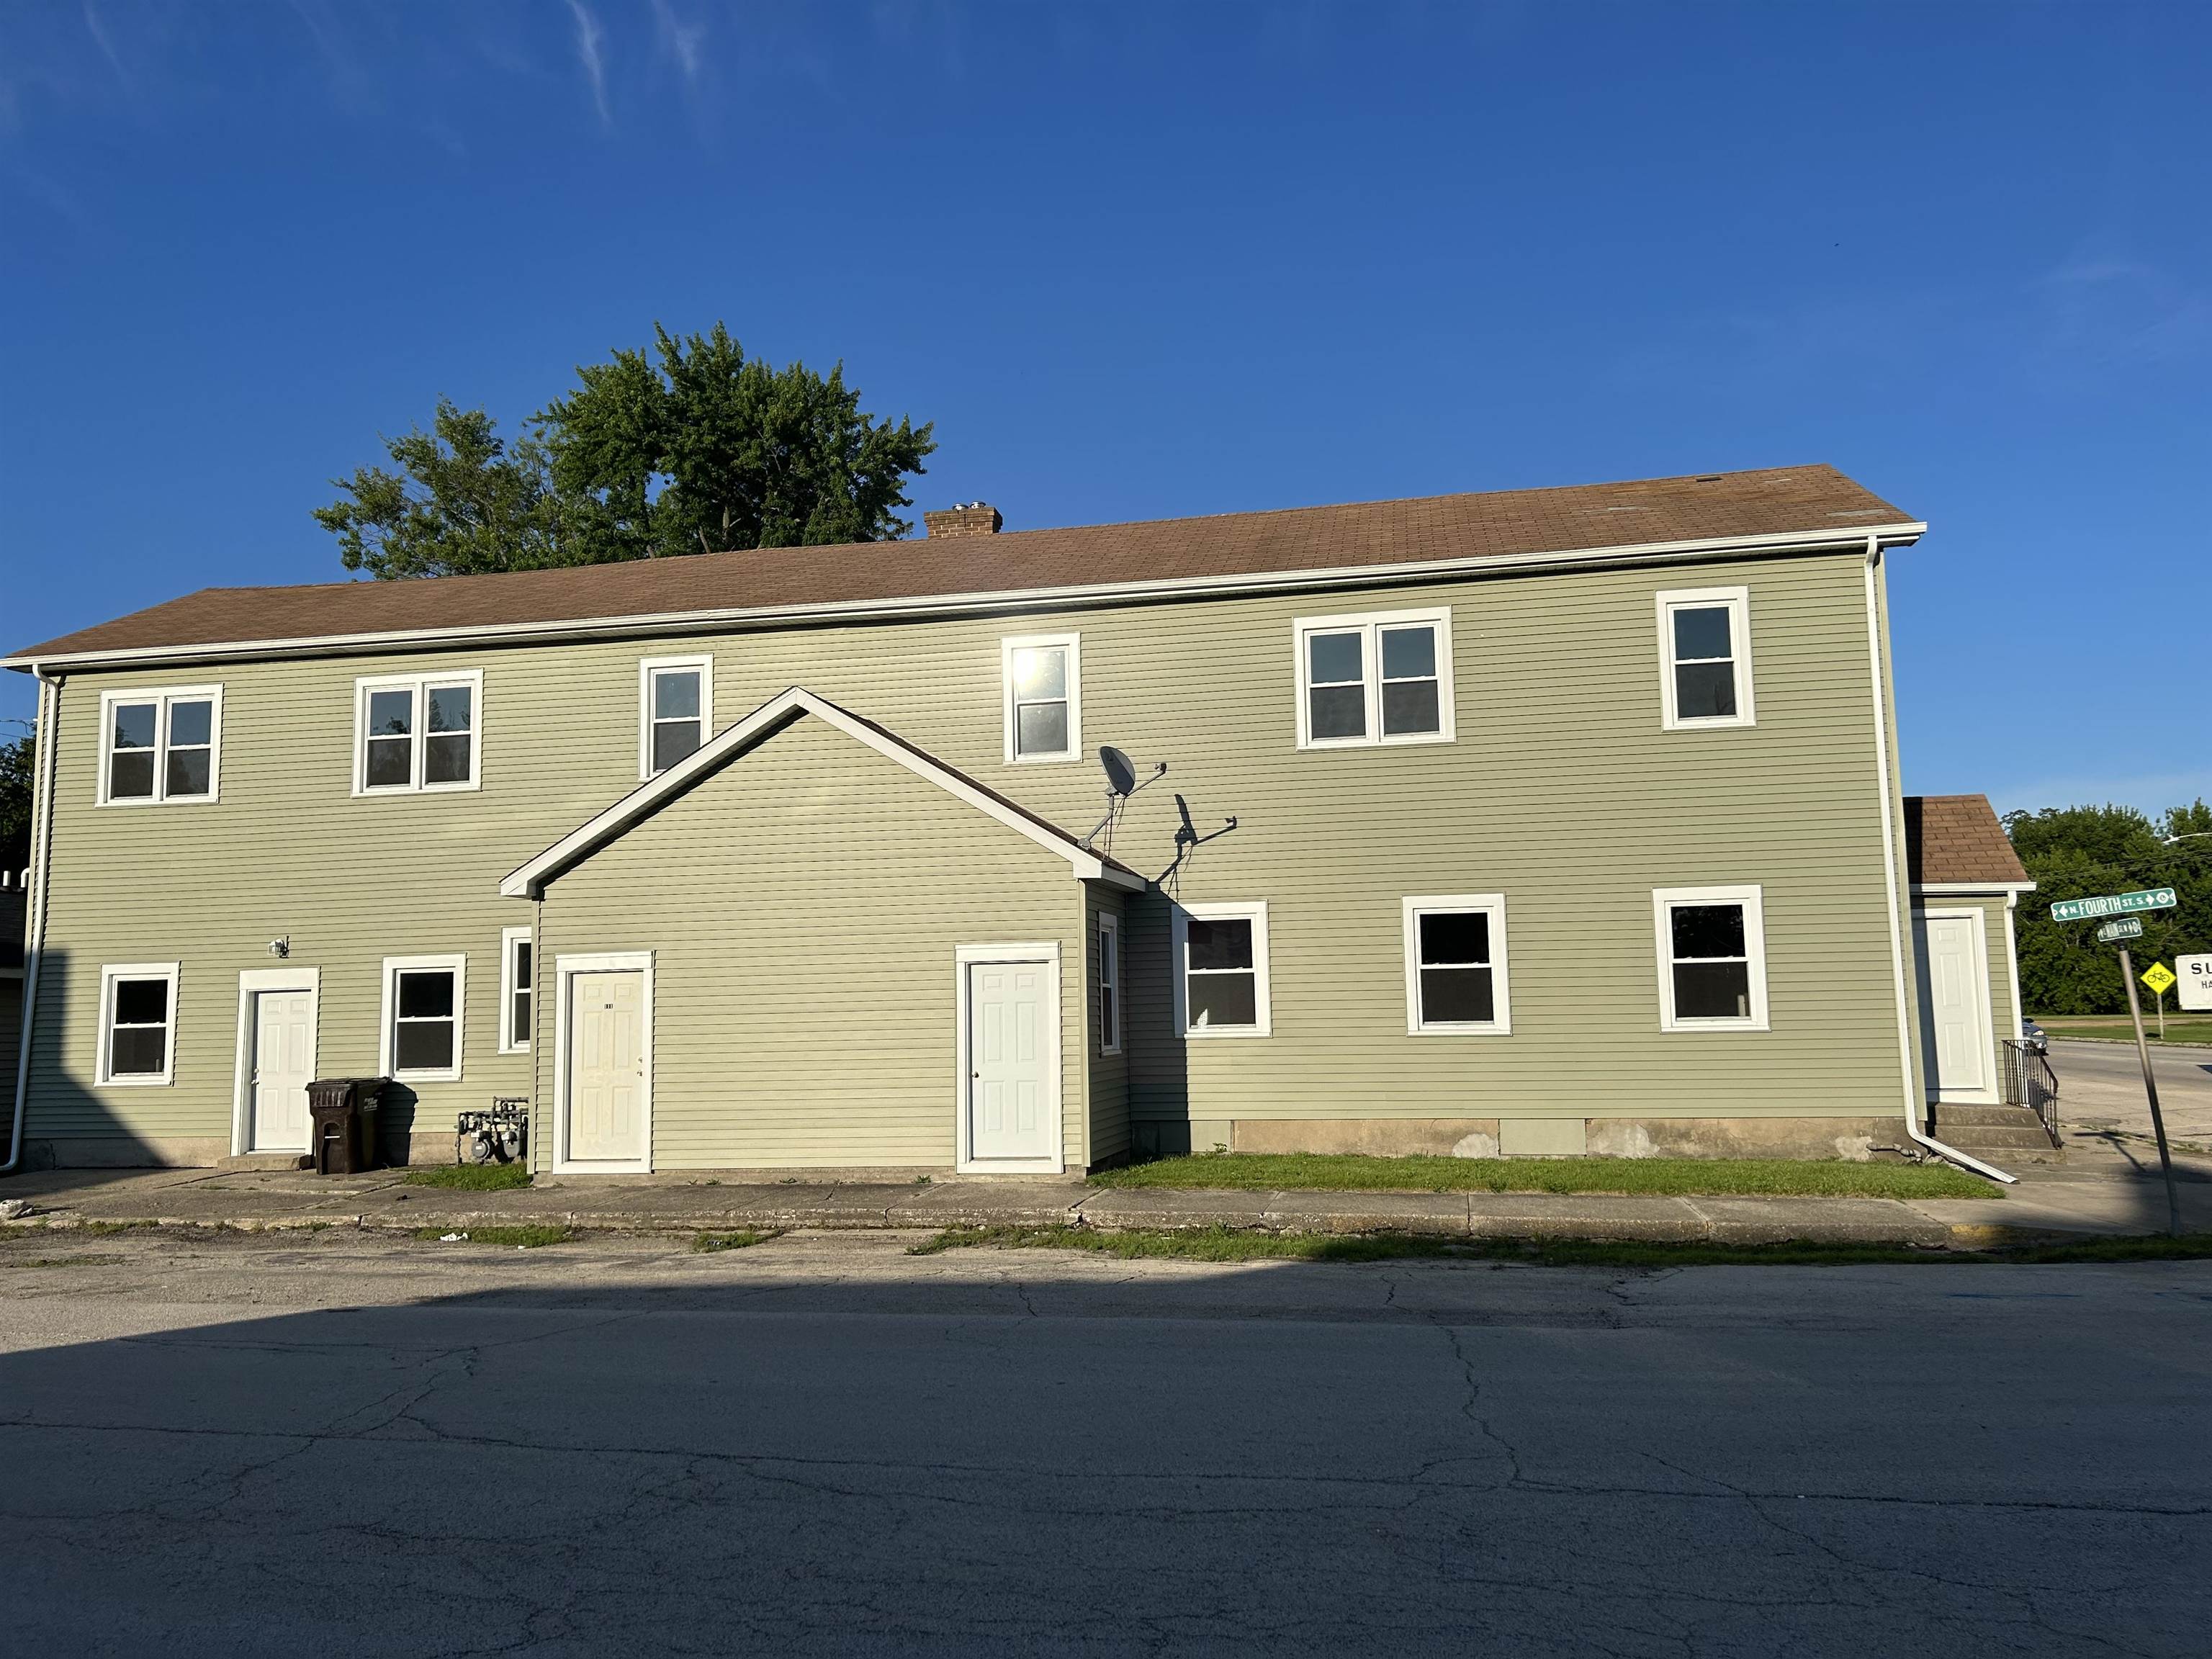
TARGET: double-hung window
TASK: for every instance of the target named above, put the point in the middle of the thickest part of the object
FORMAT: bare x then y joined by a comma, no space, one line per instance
1041,682
1109,985
676,710
137,1023
517,977
1221,970
423,1003
1455,966
1712,958
417,734
160,746
1381,678
1704,656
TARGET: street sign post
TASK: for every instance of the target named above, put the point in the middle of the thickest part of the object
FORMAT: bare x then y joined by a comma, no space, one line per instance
2150,1090
2113,905
2130,905
2126,928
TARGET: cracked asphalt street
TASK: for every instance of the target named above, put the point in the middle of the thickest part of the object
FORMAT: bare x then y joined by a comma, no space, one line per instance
349,1444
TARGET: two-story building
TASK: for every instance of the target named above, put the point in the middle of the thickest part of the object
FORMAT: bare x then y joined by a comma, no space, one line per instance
1565,820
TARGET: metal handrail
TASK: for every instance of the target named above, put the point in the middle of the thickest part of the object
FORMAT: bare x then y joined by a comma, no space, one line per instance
2030,1082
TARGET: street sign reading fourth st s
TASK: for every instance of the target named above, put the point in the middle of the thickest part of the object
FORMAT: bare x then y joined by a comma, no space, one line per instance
2113,905
2126,928
2160,978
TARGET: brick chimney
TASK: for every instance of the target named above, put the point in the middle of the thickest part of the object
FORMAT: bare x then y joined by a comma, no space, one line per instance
963,519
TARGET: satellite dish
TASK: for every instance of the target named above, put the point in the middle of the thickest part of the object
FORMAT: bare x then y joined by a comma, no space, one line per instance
1120,771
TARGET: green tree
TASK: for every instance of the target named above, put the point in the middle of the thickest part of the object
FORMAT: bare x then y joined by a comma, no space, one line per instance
2078,852
17,759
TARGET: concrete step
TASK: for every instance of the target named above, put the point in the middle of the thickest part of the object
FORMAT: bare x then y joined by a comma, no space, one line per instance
2019,1142
2004,1116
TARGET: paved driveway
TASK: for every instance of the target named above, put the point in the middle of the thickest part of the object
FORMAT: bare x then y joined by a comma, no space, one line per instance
2100,1086
824,1446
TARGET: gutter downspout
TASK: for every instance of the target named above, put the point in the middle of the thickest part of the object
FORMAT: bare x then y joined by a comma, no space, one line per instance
1913,1105
35,930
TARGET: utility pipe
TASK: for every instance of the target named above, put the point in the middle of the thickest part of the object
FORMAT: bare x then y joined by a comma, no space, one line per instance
34,930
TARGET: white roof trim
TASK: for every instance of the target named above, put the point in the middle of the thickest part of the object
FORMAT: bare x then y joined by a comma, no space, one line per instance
763,722
737,618
1973,887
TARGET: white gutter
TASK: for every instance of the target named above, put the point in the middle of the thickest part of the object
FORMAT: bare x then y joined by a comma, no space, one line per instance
750,619
34,928
1913,1105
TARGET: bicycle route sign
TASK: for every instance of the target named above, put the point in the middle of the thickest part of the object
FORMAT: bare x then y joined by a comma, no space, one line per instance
2113,905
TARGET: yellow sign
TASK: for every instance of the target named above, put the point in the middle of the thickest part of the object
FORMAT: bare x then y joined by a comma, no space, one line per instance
2160,978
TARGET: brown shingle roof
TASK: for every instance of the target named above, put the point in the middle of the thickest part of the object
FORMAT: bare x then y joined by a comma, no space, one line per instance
1957,839
1775,503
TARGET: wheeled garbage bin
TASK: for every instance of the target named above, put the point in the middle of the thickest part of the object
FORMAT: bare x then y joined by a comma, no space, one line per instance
342,1124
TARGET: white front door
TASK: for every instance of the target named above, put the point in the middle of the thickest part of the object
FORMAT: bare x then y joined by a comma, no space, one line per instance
1955,1004
1013,1108
283,1060
606,1068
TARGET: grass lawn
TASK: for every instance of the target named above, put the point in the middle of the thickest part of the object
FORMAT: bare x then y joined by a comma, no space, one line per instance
1663,1176
2179,1028
521,1239
1226,1244
470,1177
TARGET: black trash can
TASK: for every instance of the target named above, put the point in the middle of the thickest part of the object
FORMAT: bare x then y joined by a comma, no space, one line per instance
341,1137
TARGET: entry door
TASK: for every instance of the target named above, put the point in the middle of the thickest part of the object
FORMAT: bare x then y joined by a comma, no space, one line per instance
1955,1005
606,1068
1013,1109
283,1065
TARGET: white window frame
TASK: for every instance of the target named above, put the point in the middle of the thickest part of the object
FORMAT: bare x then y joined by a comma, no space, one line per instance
1256,914
1737,602
162,697
386,1046
508,938
648,667
1371,623
1490,904
1752,899
109,974
1071,643
421,685
1109,982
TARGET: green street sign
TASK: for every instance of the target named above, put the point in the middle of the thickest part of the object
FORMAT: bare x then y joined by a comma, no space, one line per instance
2126,928
2113,905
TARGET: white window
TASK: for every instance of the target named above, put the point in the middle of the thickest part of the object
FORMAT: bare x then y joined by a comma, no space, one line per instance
1712,958
160,746
1221,970
1109,985
1455,966
422,1001
415,733
1705,656
676,710
1043,694
137,1023
517,977
1384,677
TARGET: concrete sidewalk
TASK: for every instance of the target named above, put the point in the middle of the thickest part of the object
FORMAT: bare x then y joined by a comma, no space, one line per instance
2112,1200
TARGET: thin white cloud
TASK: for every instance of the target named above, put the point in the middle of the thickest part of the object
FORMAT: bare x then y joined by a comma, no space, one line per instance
100,38
685,42
590,38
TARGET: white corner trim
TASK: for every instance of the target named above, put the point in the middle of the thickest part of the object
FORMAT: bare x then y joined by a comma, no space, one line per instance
964,957
508,938
1752,899
2012,967
1493,906
393,967
1370,624
647,668
420,684
1737,600
565,968
756,727
1072,645
109,974
251,981
1178,956
160,697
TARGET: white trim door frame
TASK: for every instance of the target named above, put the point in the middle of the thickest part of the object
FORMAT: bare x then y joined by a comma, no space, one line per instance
1978,964
565,969
251,982
965,957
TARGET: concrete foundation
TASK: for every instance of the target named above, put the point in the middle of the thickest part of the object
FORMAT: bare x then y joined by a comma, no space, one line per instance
196,1152
1856,1139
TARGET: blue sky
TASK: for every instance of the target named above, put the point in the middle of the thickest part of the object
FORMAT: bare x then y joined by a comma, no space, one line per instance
1141,260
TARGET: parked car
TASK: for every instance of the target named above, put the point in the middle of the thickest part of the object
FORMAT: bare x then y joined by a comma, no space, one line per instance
2036,1040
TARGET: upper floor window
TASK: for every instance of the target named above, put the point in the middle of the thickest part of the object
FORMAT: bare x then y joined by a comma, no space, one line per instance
422,1002
1384,677
1704,652
417,732
137,1023
1221,970
676,710
160,746
1712,958
1455,965
1043,698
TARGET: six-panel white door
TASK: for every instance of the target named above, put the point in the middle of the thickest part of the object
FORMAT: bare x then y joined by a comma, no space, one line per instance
606,1068
283,1065
1012,1111
1957,1011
